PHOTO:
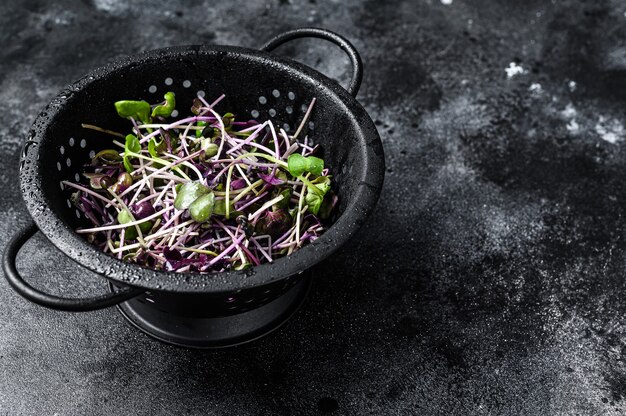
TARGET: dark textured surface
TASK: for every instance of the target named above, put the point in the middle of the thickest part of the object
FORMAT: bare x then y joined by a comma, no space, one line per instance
489,281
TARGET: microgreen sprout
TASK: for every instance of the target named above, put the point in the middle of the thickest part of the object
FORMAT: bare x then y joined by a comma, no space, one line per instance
204,193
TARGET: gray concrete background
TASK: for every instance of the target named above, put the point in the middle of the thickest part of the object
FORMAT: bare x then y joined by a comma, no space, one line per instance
490,280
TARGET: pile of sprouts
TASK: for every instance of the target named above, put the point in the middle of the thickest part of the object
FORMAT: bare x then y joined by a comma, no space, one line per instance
205,193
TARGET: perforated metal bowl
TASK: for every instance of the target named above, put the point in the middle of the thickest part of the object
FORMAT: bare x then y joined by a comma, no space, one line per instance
217,309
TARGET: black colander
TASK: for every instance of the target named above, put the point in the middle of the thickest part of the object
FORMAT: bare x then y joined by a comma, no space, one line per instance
199,310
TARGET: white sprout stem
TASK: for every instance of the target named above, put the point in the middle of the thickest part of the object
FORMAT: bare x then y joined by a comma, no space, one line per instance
189,165
277,152
257,145
234,238
265,206
160,170
122,235
261,250
286,138
300,202
304,119
248,189
243,175
162,232
121,226
162,194
167,127
252,201
88,191
226,251
248,140
132,200
217,100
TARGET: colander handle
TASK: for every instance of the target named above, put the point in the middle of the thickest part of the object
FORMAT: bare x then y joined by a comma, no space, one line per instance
313,32
51,301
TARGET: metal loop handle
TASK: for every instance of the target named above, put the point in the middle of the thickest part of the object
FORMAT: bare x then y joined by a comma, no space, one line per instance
51,301
343,43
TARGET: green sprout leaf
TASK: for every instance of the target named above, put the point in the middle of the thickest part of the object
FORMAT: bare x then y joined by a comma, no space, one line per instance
200,124
328,205
298,164
228,119
210,149
156,148
314,199
165,110
188,193
124,217
131,148
131,232
196,105
202,208
283,203
107,156
132,144
220,209
139,110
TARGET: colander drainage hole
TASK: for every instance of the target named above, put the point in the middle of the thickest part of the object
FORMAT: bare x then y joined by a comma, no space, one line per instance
262,100
152,89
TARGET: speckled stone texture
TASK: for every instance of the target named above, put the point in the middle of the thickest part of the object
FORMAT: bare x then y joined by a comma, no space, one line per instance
490,280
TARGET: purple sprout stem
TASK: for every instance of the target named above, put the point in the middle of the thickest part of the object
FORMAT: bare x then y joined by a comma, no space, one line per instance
227,250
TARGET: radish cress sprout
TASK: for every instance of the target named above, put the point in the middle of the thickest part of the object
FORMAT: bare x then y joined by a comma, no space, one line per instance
204,193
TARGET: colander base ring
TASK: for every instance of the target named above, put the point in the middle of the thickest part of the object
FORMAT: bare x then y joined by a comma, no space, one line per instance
221,332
